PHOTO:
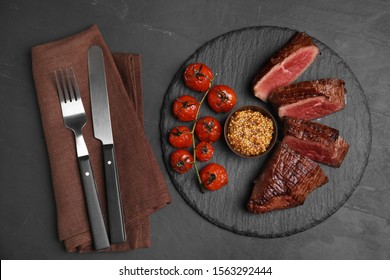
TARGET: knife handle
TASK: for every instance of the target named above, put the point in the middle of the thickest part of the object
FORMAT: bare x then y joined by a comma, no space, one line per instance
114,201
98,228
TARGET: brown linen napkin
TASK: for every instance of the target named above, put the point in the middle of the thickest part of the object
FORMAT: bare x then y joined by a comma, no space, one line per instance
143,187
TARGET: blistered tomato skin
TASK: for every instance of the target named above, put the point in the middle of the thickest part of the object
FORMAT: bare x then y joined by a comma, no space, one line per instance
204,151
180,137
198,77
185,108
221,98
208,129
181,161
214,176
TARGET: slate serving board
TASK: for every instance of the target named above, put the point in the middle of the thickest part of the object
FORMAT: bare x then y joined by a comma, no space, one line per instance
236,57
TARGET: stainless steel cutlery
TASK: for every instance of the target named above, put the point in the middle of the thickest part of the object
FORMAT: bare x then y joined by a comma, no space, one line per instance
75,119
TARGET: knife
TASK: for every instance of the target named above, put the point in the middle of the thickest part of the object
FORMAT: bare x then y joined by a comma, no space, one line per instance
102,131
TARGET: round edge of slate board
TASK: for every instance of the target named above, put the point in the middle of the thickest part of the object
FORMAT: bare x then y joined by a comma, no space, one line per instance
357,132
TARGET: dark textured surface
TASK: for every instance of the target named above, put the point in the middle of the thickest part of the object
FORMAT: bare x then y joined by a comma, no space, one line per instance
166,33
236,57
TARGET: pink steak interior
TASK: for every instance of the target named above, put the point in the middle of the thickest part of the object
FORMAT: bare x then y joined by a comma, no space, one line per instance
309,109
285,73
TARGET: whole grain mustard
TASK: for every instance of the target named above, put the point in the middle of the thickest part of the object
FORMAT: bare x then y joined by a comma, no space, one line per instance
250,132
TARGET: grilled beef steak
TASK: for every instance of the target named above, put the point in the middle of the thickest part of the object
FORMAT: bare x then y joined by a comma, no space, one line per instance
286,65
285,182
310,99
316,141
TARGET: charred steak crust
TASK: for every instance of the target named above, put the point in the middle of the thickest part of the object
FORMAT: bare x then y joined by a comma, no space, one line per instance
298,41
309,131
316,141
309,99
332,89
285,182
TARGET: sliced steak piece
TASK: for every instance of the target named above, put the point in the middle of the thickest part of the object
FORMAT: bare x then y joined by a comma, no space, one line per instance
286,181
310,99
286,65
316,141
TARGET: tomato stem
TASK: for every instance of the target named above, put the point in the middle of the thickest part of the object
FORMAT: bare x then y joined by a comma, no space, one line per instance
201,185
196,166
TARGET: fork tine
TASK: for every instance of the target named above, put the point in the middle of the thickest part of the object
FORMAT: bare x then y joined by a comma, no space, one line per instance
76,88
59,90
70,86
65,89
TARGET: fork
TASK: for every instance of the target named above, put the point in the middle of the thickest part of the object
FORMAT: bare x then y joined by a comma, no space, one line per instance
75,119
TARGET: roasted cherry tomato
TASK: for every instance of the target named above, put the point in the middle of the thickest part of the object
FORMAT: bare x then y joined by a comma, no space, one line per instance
221,98
180,137
198,77
213,176
181,161
208,129
204,151
185,108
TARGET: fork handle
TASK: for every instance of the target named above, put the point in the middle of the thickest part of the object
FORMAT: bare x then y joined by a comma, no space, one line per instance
98,228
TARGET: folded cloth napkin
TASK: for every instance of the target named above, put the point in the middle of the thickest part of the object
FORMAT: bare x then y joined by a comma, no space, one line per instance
143,187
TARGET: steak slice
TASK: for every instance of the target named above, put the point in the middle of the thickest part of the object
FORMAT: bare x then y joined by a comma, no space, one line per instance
286,65
310,99
316,141
286,181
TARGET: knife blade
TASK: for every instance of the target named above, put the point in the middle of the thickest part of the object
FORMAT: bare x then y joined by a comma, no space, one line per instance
102,130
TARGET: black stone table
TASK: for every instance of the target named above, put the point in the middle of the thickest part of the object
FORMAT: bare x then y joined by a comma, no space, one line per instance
166,33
